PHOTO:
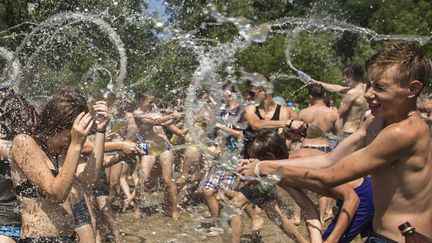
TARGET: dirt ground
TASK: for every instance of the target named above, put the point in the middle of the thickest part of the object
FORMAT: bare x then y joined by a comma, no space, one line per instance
192,226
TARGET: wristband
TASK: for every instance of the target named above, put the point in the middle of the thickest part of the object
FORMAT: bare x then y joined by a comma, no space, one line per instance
256,170
100,131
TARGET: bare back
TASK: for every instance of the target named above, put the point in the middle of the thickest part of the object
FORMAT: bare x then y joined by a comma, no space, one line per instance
355,106
323,117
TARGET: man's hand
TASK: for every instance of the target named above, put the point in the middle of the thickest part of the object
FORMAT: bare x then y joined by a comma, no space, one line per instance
295,124
247,167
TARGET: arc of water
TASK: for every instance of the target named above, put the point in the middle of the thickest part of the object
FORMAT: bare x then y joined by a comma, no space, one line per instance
112,35
16,67
94,70
326,24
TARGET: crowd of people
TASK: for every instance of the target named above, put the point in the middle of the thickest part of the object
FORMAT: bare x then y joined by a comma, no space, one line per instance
368,161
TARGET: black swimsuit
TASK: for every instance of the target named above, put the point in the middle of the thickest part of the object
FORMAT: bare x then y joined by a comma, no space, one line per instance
251,134
79,210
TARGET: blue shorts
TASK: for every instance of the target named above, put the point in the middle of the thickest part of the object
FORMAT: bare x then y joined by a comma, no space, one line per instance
362,220
11,231
377,238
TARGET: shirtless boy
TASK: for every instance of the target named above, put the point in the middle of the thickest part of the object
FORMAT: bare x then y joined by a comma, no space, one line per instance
393,146
354,106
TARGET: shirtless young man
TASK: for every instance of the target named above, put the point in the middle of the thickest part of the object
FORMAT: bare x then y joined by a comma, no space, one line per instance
354,104
152,136
393,145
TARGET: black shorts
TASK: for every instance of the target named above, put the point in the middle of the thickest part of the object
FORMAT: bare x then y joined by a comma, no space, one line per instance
257,196
101,188
81,214
59,239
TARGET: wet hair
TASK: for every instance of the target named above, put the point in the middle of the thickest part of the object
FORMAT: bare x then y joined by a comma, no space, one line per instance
16,114
412,63
269,145
316,91
144,96
354,72
60,113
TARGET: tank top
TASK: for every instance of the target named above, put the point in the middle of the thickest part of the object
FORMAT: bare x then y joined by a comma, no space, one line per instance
251,134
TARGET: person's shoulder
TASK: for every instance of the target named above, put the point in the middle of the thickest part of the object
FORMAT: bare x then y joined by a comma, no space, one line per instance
407,132
22,139
356,92
332,112
23,142
250,108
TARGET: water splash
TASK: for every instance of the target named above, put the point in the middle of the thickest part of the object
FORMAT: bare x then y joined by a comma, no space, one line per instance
12,77
66,20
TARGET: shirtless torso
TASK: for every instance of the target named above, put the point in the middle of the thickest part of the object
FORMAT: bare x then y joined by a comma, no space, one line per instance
405,179
326,118
353,108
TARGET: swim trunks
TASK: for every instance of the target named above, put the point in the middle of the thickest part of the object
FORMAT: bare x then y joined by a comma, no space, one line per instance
81,214
154,149
59,239
218,178
258,193
377,238
325,149
101,188
362,220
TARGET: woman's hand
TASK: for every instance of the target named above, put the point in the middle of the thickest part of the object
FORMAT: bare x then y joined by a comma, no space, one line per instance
81,128
102,115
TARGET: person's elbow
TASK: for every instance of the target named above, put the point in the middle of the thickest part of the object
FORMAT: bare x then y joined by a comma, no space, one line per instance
351,204
58,195
255,127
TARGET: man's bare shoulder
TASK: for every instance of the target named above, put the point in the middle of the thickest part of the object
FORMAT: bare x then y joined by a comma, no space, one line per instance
355,92
406,132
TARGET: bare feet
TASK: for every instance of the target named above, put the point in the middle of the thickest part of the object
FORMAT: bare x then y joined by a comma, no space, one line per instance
126,203
215,232
175,215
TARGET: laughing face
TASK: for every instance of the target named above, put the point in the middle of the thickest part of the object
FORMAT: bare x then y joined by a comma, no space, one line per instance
385,96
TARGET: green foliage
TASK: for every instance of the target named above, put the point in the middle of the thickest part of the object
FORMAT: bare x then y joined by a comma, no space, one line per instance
167,66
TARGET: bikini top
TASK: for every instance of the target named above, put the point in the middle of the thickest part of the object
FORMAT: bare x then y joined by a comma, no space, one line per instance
26,189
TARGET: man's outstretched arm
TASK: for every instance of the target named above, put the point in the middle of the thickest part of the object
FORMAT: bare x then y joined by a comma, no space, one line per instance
336,88
379,154
354,142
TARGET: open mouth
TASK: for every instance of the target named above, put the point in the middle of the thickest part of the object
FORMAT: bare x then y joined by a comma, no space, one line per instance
373,106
